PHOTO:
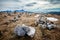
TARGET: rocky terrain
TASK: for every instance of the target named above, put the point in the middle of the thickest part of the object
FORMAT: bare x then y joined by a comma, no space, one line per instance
8,22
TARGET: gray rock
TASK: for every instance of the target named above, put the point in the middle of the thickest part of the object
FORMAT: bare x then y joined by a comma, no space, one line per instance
19,31
50,26
23,30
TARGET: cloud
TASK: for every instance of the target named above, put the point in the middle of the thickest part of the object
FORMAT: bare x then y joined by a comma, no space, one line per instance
55,1
28,4
31,4
52,1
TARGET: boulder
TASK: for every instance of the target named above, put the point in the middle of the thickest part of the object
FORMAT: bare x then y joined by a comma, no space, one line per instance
23,30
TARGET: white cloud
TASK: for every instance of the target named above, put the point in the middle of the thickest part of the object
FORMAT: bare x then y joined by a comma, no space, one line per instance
21,4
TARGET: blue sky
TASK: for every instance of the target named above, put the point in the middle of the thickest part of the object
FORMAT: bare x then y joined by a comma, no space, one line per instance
30,5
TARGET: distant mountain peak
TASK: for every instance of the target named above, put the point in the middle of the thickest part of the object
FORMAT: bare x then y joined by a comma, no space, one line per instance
20,10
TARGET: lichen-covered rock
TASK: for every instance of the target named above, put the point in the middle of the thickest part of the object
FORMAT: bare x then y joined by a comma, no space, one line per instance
31,32
50,26
24,30
19,31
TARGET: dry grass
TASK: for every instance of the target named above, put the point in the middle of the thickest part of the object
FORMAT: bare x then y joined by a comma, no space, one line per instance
7,28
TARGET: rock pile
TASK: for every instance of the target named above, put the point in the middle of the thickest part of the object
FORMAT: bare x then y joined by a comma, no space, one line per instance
44,23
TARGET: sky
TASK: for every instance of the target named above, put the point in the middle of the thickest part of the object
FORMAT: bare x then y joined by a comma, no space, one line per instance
30,5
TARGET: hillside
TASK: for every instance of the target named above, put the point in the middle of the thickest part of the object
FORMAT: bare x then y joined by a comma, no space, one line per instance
7,25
